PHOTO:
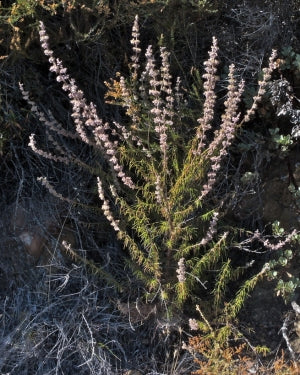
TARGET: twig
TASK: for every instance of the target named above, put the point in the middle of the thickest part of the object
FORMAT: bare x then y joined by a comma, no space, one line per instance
284,330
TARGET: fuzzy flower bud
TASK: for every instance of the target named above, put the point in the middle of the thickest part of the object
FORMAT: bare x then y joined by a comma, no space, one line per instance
181,270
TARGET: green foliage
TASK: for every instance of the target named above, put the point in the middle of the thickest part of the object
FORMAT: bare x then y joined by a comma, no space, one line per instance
281,142
223,278
20,23
296,194
278,267
235,305
291,60
277,229
286,289
85,21
28,8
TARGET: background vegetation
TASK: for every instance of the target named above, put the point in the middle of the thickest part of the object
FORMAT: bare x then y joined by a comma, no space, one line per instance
87,309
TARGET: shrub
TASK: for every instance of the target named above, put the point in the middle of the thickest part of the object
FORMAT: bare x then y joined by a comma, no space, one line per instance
236,360
156,173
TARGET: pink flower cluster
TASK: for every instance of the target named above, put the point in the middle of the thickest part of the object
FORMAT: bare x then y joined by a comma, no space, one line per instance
135,42
212,230
209,85
193,324
262,85
158,190
162,97
84,115
46,183
105,207
51,125
224,136
181,270
288,238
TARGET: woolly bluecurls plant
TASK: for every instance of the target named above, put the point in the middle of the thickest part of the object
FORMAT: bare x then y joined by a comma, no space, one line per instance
160,173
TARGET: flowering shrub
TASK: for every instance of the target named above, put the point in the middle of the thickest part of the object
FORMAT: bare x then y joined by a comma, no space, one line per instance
159,171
